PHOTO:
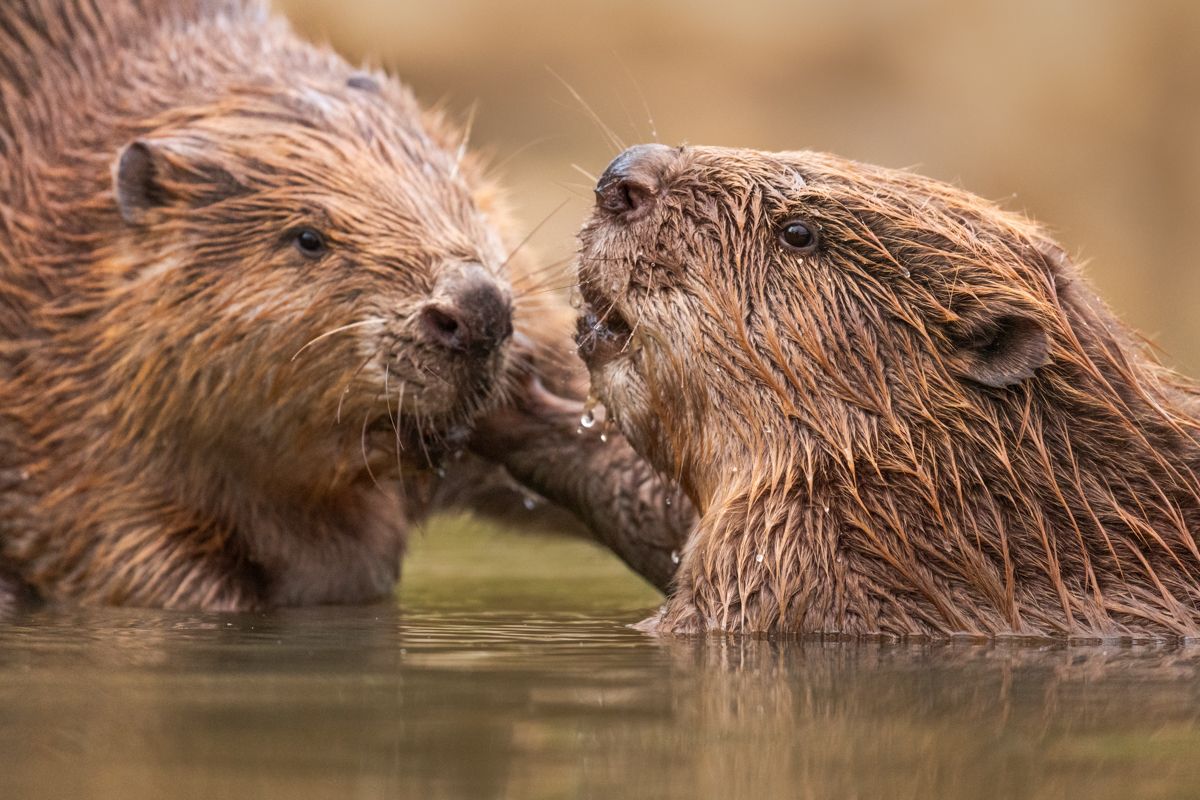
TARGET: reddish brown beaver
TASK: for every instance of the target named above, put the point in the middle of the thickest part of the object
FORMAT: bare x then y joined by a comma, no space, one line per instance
245,290
897,408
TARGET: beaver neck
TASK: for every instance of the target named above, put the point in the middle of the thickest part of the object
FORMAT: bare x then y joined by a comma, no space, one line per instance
1052,536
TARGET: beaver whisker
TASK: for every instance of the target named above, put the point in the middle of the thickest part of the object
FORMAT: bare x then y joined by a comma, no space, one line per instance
326,334
580,190
533,279
583,172
637,87
547,289
388,402
608,132
422,437
346,388
461,153
533,231
494,169
363,444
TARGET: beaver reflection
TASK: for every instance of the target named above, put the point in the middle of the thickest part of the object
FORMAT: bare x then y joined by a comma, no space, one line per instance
897,408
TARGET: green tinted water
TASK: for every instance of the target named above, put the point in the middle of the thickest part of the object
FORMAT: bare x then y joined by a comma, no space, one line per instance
507,670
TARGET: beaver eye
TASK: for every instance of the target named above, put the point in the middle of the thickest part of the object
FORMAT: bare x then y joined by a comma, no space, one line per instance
798,235
310,243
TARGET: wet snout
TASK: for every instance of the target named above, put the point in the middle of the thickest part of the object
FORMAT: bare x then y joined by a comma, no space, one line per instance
470,314
634,180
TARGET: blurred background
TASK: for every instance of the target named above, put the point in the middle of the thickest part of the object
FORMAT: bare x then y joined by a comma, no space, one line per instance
1083,113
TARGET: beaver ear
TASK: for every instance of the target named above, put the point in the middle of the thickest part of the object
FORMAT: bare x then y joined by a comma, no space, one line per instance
153,173
138,180
1004,352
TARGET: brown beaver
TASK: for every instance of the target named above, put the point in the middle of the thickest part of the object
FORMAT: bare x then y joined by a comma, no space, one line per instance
898,408
245,290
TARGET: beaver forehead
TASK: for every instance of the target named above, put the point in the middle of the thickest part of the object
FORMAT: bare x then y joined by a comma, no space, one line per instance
372,182
800,176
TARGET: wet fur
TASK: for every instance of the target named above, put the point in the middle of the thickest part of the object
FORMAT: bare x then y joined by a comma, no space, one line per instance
174,429
857,467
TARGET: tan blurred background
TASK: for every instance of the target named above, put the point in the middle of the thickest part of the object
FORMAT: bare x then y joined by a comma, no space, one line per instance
1084,114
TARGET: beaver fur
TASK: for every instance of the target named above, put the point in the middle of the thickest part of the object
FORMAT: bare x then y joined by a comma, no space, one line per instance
199,407
917,419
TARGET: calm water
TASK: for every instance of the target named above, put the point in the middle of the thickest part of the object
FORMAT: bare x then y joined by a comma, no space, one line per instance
506,670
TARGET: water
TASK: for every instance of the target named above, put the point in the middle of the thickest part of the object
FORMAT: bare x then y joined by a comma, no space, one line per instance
506,670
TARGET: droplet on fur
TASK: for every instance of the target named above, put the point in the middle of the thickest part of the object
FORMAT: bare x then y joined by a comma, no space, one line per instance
825,508
589,419
530,502
440,472
604,437
24,474
674,556
667,500
905,272
576,298
759,558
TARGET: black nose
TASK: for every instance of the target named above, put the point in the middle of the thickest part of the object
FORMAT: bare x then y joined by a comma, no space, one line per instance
633,181
470,313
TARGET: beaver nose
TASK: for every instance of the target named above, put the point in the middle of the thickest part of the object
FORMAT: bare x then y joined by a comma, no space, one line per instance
471,314
632,182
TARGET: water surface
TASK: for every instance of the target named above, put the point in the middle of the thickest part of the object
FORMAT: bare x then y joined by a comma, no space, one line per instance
506,669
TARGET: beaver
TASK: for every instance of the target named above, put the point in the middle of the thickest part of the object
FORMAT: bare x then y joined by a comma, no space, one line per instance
246,293
899,409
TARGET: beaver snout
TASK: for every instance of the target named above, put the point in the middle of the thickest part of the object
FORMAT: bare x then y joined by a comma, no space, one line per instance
632,182
472,314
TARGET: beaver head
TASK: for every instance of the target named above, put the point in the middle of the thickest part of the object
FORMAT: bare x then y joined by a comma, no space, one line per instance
897,407
302,263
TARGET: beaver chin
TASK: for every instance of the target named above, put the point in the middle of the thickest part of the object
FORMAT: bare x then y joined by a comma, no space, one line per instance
420,427
410,444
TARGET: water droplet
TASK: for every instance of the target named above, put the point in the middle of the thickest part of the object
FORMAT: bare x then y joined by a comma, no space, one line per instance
440,472
529,502
588,419
674,556
667,500
604,437
615,287
905,272
759,558
24,474
579,431
825,508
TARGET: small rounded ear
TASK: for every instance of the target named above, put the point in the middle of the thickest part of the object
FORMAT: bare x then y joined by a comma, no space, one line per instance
1003,352
153,173
138,181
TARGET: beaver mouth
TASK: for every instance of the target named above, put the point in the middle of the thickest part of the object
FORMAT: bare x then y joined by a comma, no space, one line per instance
600,338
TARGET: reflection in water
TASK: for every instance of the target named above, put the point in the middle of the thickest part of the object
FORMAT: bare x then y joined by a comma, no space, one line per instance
428,699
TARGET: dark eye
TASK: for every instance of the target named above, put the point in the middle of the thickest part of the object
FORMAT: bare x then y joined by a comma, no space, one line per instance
311,243
798,235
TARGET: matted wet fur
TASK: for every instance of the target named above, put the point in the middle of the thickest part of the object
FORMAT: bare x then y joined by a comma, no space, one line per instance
917,419
201,405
